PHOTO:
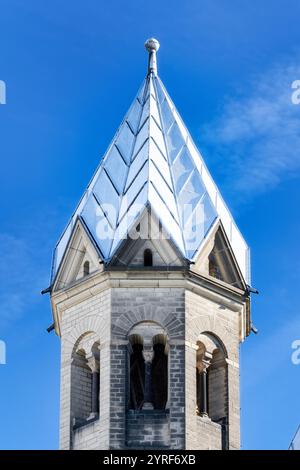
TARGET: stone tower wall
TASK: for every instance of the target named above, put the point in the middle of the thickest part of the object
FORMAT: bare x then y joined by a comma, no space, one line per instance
91,314
110,314
131,306
207,315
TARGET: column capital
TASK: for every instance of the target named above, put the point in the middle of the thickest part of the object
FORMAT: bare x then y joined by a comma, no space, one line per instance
93,363
148,354
203,362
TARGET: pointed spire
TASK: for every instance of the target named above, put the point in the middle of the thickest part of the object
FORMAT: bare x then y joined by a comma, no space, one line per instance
153,162
152,46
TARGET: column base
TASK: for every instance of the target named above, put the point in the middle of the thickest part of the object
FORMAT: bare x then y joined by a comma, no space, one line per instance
92,415
202,413
147,406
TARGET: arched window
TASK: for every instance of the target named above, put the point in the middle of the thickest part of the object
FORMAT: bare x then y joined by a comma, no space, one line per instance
211,379
86,268
148,367
85,381
81,387
148,257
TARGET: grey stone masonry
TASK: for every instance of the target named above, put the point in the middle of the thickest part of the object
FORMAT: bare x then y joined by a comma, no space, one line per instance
107,309
148,429
131,306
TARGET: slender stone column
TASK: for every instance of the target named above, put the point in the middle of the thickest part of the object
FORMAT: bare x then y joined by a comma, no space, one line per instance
148,357
95,392
202,385
94,366
204,398
167,353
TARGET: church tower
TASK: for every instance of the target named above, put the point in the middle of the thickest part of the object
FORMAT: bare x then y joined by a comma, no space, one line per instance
150,293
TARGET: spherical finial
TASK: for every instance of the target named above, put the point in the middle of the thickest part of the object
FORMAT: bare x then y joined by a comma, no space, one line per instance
152,45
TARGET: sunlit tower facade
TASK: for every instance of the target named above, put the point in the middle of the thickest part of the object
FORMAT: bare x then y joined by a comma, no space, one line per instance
150,293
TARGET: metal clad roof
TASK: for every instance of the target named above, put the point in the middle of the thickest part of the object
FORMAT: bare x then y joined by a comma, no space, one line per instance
152,161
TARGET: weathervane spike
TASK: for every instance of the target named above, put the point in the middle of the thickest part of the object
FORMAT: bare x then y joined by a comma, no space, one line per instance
152,46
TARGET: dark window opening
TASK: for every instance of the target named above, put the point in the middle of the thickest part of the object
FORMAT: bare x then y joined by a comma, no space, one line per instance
148,257
159,377
214,269
85,386
202,393
137,377
95,392
86,268
212,390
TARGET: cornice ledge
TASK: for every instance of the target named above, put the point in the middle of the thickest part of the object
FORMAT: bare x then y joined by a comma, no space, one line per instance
91,284
229,301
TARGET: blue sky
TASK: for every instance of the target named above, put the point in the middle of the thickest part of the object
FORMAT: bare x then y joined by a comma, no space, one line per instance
71,70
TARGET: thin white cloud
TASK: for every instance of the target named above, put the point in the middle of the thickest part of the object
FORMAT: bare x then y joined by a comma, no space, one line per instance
25,254
19,271
256,139
25,266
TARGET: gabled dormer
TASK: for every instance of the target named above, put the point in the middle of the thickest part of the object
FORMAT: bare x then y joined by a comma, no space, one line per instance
148,246
217,260
80,260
